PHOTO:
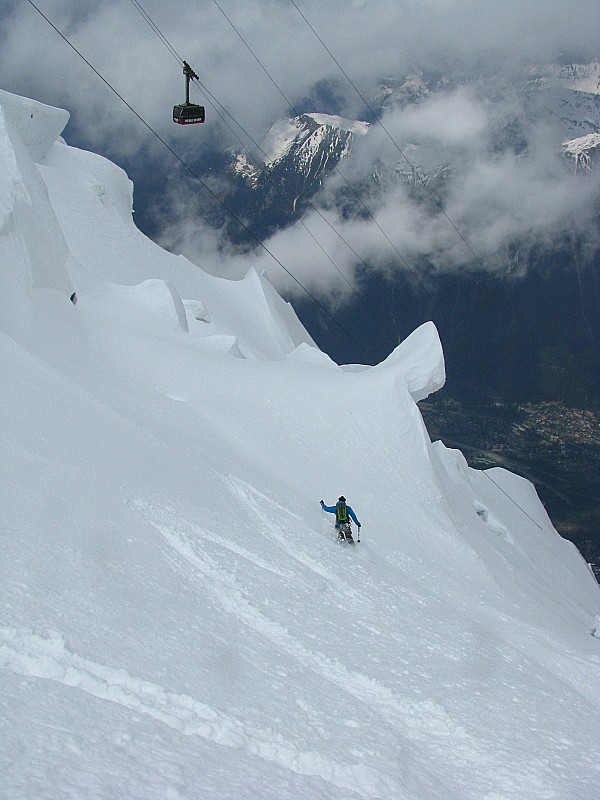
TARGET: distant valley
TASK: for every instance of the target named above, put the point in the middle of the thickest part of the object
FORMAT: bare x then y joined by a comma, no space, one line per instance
555,447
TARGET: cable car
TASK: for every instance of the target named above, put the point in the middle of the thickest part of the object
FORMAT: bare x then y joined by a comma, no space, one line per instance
188,113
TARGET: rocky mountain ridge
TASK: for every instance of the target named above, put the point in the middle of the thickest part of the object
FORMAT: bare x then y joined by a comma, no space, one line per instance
298,153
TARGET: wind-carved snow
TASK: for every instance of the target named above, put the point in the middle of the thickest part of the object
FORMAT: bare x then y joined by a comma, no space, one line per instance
155,301
583,150
36,125
178,619
420,362
33,251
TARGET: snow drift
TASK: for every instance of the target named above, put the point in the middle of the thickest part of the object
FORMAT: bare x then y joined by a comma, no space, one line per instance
177,618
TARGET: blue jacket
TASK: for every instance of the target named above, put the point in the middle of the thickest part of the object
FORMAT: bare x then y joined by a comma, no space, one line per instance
331,510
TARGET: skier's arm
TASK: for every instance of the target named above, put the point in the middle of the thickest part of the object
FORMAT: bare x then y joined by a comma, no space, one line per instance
353,515
330,509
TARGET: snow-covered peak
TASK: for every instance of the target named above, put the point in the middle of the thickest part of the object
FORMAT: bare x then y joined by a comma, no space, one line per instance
285,132
583,151
298,153
575,77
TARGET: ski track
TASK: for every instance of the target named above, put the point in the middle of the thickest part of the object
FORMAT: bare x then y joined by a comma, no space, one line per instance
47,657
283,532
416,720
424,722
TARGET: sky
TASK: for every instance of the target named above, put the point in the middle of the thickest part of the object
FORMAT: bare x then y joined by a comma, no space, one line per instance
492,202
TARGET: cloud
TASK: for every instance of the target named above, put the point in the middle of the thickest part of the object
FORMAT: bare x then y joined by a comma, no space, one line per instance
370,39
497,202
494,195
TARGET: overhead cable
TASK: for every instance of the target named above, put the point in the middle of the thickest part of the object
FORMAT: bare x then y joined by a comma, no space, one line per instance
156,30
337,170
512,500
205,185
217,105
413,167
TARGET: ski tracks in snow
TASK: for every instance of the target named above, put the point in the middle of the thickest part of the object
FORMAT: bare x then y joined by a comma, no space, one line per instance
47,657
414,720
424,729
279,525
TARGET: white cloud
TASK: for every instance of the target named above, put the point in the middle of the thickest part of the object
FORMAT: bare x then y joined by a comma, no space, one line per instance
370,40
491,198
448,119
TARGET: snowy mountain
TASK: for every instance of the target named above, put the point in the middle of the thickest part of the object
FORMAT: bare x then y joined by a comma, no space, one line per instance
298,154
310,145
565,98
583,150
178,619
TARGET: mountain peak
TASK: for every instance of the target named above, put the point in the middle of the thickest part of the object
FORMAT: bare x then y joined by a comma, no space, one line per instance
308,146
584,151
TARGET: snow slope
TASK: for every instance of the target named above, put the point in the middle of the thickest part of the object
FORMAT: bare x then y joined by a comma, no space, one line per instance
177,618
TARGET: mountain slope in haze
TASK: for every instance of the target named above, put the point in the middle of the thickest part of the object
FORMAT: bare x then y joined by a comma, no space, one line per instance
177,618
298,154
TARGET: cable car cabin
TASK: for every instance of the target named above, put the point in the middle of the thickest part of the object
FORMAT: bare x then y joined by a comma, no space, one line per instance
188,114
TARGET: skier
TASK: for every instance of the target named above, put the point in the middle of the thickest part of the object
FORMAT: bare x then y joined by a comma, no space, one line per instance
343,512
